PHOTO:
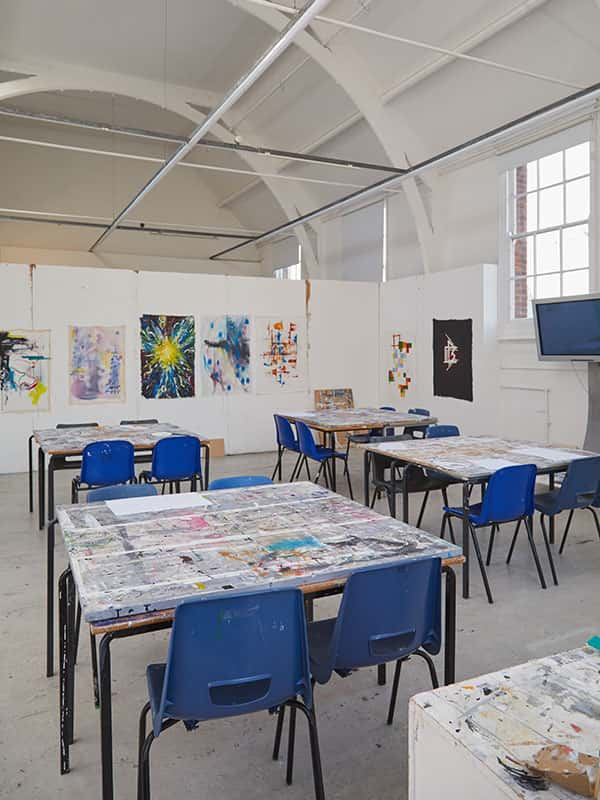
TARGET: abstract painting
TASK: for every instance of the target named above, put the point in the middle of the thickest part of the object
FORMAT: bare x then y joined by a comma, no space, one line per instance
96,363
453,358
282,346
168,352
398,371
226,354
24,370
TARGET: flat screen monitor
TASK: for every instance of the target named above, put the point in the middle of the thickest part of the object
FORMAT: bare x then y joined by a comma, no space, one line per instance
568,329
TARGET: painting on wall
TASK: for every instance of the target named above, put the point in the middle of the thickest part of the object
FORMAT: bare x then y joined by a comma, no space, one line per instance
96,364
168,352
333,399
24,370
282,363
226,354
453,358
398,372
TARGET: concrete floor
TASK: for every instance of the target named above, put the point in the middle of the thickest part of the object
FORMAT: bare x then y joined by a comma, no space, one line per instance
362,757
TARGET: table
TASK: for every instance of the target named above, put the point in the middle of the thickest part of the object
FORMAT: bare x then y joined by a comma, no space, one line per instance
131,571
333,421
471,460
480,732
61,445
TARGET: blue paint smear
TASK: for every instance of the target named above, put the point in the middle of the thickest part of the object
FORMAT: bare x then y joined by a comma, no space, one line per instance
294,544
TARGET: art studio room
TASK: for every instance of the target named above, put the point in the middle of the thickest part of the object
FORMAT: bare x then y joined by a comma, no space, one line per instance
300,399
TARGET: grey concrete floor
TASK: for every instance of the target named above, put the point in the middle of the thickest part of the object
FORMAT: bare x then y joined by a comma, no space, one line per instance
362,757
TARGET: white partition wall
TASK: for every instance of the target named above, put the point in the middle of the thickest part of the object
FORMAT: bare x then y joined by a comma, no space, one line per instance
341,342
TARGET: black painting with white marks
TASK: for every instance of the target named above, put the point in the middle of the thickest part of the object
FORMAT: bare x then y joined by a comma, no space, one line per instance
453,358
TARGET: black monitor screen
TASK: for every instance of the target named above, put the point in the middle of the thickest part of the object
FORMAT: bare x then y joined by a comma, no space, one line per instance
570,328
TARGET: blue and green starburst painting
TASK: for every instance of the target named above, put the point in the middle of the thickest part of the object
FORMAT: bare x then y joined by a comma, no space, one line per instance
168,350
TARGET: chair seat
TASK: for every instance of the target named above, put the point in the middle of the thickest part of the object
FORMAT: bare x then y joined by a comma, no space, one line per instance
155,676
547,502
148,476
458,511
320,634
326,452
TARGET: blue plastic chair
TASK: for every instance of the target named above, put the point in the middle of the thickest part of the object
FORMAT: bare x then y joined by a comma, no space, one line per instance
420,429
138,422
286,440
175,459
386,431
104,464
578,490
239,482
322,455
387,613
121,492
509,497
440,431
228,656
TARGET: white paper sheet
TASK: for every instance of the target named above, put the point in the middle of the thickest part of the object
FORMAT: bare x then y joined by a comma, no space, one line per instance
142,505
550,453
492,464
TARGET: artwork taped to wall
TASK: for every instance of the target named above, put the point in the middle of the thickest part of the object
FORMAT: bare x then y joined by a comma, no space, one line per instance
24,370
96,364
333,399
168,354
453,358
399,368
281,364
226,353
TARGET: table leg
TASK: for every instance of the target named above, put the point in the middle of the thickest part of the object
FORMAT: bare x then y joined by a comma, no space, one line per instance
50,599
450,627
106,718
333,464
465,538
63,671
41,488
30,468
367,476
393,494
405,507
381,675
51,465
206,466
551,525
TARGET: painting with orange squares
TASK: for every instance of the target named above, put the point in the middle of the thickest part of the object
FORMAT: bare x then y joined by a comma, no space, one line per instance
281,353
398,372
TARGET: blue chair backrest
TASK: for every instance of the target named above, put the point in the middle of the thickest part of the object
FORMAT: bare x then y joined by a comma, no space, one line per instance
103,463
236,654
176,458
138,422
422,429
65,425
285,433
509,494
239,482
387,408
581,484
120,492
441,431
387,613
422,412
306,441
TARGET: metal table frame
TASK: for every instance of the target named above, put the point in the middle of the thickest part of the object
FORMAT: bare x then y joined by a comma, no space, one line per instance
127,627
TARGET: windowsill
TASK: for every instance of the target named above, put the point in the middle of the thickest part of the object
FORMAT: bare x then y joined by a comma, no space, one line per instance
516,330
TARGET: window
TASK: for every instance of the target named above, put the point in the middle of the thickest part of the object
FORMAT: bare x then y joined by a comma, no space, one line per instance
385,243
293,272
548,227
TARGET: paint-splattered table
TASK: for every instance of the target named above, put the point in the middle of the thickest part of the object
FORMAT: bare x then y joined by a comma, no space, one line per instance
470,460
333,421
63,448
484,736
131,569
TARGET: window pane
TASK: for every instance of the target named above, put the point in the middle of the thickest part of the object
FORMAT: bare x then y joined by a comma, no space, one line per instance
577,160
551,207
547,252
551,169
523,256
547,285
576,247
532,180
578,200
576,282
521,294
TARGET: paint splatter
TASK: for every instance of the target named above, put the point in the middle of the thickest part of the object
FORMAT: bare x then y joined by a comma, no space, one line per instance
226,353
96,363
168,349
24,370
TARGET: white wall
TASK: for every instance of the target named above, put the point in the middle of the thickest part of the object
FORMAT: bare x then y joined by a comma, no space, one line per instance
341,344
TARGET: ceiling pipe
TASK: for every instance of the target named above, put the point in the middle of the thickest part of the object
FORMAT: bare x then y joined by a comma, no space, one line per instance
283,41
590,93
288,155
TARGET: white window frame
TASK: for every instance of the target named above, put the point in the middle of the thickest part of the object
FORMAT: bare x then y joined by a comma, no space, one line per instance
587,131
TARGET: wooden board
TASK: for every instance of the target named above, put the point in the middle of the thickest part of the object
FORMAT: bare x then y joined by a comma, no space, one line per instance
333,399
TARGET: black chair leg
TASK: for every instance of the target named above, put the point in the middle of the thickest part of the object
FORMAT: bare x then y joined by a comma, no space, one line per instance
443,528
141,740
514,541
488,557
307,468
296,470
144,768
291,743
277,463
432,670
422,511
534,552
349,482
94,657
278,732
548,550
314,746
394,695
595,516
481,564
447,503
567,526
